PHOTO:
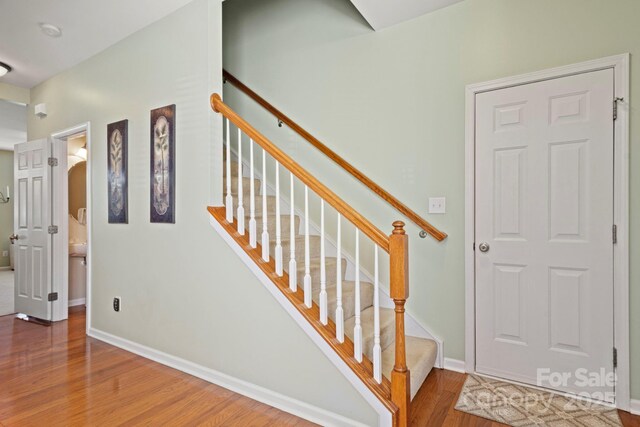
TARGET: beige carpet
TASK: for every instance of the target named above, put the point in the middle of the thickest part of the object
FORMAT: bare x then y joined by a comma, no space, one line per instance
523,406
6,292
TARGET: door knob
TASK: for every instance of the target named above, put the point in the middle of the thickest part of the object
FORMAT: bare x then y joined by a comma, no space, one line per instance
13,238
484,247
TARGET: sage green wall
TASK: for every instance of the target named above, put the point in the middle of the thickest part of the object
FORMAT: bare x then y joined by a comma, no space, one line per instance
392,103
184,291
6,209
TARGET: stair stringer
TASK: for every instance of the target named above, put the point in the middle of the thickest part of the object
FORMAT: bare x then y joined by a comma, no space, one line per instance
384,416
413,327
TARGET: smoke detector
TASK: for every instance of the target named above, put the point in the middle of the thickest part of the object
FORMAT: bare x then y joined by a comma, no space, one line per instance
50,30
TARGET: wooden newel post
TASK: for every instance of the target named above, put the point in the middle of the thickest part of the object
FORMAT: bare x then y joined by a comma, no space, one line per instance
399,267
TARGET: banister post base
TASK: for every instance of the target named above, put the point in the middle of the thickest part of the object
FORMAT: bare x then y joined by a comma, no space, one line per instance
400,395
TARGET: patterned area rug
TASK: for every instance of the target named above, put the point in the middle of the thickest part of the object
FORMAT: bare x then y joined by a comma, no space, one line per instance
523,406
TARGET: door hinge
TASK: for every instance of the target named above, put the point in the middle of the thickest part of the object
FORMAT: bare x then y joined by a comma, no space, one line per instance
53,296
53,229
614,233
615,357
474,246
615,107
52,161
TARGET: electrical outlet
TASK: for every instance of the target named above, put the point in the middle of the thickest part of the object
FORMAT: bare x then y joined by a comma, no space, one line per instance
5,254
117,304
437,205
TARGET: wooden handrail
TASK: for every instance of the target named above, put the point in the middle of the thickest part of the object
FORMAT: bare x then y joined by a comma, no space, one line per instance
374,233
385,195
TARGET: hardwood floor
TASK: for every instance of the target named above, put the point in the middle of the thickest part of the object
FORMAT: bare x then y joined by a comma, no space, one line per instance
434,404
57,376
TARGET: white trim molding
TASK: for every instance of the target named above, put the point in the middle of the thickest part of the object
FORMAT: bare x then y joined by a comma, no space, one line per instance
454,365
620,66
77,301
253,391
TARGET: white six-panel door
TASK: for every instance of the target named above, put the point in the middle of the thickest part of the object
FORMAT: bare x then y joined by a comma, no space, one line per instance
544,217
32,206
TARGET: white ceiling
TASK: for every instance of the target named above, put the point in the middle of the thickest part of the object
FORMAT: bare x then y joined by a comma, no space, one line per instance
385,13
88,27
13,124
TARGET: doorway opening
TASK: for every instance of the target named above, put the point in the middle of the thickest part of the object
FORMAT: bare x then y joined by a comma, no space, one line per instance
71,205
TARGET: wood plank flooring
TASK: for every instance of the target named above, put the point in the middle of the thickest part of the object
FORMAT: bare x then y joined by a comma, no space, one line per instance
434,404
57,376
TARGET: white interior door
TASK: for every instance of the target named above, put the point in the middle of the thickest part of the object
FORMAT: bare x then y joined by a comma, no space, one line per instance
31,221
544,247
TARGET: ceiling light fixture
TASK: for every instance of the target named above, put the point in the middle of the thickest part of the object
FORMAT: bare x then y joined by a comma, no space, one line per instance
4,69
50,29
82,153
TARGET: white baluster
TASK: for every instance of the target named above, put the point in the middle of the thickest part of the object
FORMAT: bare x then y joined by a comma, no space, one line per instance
278,227
252,206
240,214
307,262
229,199
357,329
377,350
323,271
339,310
293,266
265,232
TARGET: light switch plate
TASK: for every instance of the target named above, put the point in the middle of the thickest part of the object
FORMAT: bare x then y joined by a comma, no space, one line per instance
5,254
437,205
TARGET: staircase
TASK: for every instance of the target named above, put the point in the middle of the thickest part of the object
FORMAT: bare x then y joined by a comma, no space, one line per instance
346,314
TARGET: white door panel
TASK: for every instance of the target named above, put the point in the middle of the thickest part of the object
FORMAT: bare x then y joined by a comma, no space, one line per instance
32,218
544,205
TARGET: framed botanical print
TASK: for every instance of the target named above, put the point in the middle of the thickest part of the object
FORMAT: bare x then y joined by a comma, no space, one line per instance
163,181
117,179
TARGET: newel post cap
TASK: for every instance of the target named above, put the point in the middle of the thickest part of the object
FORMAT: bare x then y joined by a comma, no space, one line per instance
398,227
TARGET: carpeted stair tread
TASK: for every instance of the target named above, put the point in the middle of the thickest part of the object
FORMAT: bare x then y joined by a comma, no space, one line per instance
421,356
314,245
314,271
348,298
271,206
387,329
271,227
246,188
234,168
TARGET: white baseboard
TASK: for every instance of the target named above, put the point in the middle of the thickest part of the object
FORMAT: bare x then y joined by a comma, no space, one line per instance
634,406
78,301
6,268
261,394
454,365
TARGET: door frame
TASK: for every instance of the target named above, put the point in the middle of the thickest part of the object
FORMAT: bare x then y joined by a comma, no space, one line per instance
620,66
61,212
